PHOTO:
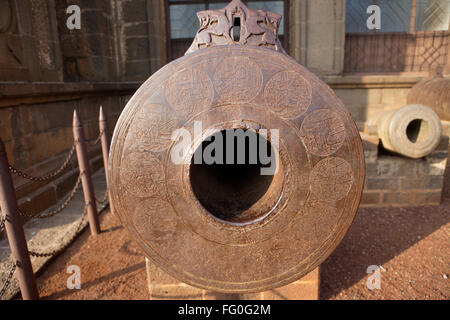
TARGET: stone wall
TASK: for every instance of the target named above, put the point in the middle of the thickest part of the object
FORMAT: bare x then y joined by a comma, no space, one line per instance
365,95
88,54
29,42
119,40
36,127
317,40
317,34
47,71
141,37
393,180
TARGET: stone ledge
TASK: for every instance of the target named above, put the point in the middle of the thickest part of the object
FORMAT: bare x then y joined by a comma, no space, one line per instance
364,80
396,181
35,89
20,89
16,93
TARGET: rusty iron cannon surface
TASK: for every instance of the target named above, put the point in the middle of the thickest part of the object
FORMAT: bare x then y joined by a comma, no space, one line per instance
225,230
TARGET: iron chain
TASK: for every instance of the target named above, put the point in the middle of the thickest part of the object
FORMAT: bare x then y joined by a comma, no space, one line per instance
55,252
2,222
49,176
104,200
7,281
57,210
96,141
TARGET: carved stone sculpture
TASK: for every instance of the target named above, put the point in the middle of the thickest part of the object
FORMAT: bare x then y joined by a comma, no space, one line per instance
258,27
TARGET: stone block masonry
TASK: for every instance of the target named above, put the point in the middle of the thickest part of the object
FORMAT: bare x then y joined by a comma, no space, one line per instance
36,127
393,180
164,287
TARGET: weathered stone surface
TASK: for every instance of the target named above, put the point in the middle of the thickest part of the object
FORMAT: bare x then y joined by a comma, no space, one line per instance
413,130
400,181
317,33
370,197
162,286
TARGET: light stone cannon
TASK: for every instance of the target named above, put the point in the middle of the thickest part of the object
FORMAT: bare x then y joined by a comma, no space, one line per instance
413,130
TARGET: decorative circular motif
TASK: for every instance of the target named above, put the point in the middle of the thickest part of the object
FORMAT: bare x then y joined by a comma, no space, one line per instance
288,94
152,128
189,91
323,132
142,174
154,220
331,179
237,79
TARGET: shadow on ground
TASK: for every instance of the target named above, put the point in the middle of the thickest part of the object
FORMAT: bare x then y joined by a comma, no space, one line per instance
378,235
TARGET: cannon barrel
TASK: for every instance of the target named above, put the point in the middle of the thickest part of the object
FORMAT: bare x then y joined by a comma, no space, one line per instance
434,93
413,130
225,216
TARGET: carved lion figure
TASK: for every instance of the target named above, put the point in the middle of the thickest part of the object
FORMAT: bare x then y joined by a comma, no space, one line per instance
212,23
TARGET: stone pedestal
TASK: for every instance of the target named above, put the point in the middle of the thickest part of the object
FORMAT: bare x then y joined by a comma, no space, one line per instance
397,181
164,287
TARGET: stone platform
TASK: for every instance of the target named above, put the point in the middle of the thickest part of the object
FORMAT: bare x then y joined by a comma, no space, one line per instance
162,286
394,180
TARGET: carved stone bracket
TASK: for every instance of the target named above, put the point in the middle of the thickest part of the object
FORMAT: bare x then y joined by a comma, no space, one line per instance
257,27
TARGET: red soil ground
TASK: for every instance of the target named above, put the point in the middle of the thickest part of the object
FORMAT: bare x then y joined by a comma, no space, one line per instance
411,244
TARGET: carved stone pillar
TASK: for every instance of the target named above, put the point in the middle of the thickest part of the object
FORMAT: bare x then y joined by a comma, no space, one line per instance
317,34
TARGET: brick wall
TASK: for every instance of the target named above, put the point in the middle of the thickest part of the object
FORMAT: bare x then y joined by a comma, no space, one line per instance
393,180
36,127
61,70
365,95
141,38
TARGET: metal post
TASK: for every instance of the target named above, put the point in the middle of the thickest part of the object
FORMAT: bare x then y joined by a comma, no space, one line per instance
14,230
86,179
106,142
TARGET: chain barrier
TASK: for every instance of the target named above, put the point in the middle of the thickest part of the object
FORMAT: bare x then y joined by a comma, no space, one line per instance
103,204
104,200
7,281
49,176
96,141
55,252
57,210
2,222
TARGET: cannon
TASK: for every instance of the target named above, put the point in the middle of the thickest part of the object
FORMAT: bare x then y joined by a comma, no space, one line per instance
413,130
433,92
247,225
